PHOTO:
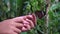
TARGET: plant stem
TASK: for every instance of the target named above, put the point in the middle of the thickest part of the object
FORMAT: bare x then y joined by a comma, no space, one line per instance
47,19
47,16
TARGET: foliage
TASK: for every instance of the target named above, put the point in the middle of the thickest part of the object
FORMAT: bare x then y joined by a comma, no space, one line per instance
13,8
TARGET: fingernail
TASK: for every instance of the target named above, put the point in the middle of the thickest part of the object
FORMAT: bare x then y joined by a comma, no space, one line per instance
24,29
26,19
25,22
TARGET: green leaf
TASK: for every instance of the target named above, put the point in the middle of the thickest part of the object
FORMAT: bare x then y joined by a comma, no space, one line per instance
24,33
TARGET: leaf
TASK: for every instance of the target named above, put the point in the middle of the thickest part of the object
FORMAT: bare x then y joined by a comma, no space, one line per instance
24,33
55,6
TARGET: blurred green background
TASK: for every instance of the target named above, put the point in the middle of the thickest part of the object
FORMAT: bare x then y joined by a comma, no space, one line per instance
14,8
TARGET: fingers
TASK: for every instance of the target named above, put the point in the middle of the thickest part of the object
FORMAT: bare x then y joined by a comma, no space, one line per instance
31,23
28,27
24,29
30,17
34,19
16,30
25,22
20,19
18,24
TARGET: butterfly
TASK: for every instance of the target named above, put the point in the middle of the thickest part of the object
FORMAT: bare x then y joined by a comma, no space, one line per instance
40,14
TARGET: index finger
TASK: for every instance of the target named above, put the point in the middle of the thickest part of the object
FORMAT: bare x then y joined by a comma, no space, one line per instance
18,19
21,18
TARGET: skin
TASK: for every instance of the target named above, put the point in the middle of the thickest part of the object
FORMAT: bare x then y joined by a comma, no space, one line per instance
18,24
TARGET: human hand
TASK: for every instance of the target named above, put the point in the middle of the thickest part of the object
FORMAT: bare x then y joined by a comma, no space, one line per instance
17,25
